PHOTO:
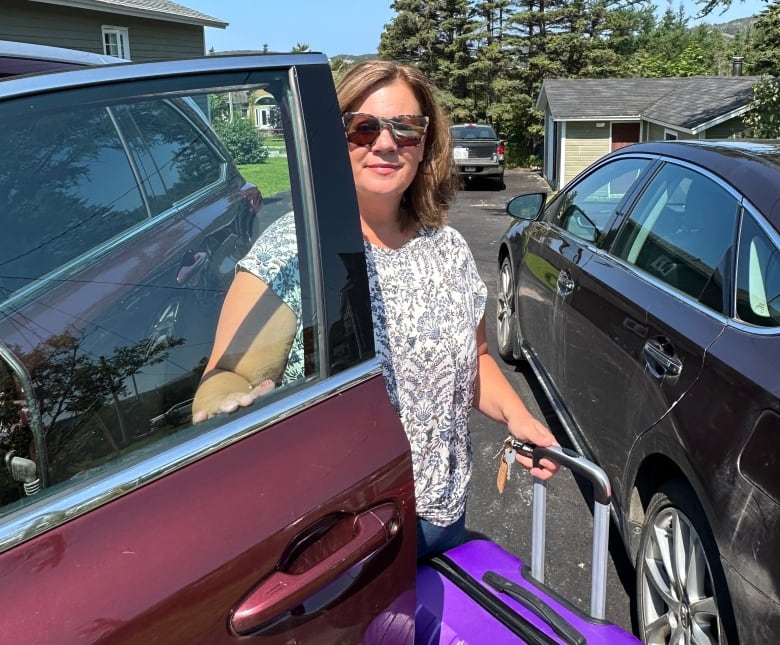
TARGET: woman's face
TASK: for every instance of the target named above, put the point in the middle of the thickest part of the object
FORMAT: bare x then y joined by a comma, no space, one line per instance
383,170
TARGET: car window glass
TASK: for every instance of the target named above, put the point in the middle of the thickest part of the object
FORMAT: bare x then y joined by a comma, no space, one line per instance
758,277
175,160
585,209
68,188
103,356
681,231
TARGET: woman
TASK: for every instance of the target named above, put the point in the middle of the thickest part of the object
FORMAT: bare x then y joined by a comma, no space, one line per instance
427,299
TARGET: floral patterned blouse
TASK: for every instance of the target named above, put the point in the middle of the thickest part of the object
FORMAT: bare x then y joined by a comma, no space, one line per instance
427,299
274,259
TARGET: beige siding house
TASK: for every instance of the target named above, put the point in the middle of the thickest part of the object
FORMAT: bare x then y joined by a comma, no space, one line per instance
587,118
139,30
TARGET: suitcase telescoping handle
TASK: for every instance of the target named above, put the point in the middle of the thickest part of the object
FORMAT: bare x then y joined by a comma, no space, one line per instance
602,494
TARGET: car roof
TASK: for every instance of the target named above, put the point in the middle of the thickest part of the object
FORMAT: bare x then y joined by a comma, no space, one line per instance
18,58
751,166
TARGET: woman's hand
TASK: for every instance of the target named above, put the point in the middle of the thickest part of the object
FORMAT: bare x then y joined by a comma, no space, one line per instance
208,407
526,428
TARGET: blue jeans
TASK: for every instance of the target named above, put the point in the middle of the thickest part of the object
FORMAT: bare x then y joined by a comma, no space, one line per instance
433,539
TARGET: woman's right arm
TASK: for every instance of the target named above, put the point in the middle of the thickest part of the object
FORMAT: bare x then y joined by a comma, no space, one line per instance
252,342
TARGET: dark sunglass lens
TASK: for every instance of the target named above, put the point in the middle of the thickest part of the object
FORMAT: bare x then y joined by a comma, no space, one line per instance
363,130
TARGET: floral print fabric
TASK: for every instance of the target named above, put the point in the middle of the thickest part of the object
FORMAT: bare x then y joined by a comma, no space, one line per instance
274,259
427,299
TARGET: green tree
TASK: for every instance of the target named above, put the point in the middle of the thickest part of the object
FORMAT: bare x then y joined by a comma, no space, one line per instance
764,114
437,37
218,106
707,7
764,53
241,139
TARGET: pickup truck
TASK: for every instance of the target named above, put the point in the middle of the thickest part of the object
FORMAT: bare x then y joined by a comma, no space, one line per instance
478,153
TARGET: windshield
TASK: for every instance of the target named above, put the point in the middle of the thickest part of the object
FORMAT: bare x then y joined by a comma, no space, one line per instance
472,132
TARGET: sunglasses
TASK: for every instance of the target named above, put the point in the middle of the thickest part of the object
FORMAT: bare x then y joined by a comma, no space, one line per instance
363,129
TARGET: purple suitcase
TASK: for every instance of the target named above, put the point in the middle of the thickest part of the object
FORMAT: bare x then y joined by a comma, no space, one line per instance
478,593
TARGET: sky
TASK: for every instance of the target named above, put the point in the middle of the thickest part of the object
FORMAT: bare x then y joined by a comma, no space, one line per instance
344,26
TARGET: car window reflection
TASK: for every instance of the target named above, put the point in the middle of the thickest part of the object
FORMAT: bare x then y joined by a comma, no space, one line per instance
585,210
681,231
126,225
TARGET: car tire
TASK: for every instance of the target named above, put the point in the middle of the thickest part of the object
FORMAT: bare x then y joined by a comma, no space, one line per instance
506,314
673,605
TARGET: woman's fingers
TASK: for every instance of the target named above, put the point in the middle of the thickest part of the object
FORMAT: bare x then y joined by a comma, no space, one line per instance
233,401
544,470
264,387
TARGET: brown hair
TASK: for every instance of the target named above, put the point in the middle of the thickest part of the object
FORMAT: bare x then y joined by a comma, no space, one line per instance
428,197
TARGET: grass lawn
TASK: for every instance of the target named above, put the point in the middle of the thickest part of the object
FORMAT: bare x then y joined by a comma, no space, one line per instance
270,177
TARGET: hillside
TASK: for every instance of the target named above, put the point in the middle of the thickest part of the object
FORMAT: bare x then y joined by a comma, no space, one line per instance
735,27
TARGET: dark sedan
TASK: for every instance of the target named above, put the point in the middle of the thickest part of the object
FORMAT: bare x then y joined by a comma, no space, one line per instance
646,296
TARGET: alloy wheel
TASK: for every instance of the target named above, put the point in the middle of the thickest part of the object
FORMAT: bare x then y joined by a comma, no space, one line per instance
505,311
677,593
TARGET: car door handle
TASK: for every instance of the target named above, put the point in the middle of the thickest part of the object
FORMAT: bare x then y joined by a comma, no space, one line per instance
660,360
191,265
282,591
564,283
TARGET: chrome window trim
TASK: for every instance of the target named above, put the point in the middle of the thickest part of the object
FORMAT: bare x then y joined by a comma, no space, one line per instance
748,210
36,518
656,282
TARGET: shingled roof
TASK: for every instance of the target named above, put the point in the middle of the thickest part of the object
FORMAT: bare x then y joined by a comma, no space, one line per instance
691,103
157,9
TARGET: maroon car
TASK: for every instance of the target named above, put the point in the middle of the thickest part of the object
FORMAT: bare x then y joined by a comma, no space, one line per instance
646,296
123,218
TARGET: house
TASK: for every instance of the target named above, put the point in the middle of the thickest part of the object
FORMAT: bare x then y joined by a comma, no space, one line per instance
585,119
139,30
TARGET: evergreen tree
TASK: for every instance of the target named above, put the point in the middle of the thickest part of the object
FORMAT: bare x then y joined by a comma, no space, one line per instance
764,54
434,36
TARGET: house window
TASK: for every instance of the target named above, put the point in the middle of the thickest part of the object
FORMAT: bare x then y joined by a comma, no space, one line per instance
116,41
670,135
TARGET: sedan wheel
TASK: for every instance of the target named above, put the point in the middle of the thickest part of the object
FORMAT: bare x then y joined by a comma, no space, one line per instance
681,591
506,316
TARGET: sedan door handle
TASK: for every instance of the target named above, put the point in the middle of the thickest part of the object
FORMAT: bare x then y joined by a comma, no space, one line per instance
282,591
660,360
565,284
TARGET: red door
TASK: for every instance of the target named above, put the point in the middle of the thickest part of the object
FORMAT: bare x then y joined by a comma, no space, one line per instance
624,134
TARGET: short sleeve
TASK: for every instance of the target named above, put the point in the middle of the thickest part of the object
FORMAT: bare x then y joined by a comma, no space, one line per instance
274,259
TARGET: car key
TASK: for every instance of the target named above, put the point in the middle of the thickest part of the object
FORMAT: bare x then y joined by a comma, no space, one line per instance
509,457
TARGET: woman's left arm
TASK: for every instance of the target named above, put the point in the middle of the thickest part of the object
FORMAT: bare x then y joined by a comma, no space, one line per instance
495,397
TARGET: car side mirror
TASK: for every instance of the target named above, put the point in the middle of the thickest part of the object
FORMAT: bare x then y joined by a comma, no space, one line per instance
526,207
